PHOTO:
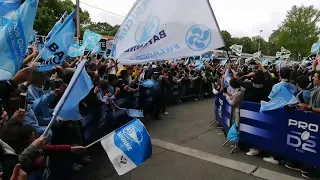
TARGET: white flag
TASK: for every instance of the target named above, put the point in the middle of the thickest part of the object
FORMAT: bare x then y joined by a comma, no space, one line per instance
257,55
237,49
156,30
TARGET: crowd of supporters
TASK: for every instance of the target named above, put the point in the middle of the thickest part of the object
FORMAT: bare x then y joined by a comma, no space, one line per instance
254,82
27,154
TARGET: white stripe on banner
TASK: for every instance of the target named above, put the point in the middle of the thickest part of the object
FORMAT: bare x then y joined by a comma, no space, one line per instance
256,116
255,131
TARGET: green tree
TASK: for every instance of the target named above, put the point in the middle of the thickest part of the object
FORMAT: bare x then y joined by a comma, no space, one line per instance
227,38
298,31
50,11
104,28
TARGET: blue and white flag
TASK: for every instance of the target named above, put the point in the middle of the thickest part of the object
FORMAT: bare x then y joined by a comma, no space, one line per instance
150,34
90,39
282,98
14,39
128,147
7,10
223,62
315,47
105,55
57,26
96,50
199,64
76,50
58,45
206,56
78,88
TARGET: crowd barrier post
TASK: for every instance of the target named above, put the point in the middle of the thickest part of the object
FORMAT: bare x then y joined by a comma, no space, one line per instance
223,112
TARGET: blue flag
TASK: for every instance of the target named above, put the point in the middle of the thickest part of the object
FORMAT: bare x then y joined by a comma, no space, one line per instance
96,50
7,10
105,56
14,39
78,88
58,45
76,50
282,98
90,39
128,147
57,26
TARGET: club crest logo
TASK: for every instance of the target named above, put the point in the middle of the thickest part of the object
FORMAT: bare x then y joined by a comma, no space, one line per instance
134,134
147,29
198,37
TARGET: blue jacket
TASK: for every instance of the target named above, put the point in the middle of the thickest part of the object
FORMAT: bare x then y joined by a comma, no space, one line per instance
32,120
41,101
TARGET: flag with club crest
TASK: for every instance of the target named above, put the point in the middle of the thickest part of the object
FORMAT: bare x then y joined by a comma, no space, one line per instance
282,98
76,50
90,39
150,34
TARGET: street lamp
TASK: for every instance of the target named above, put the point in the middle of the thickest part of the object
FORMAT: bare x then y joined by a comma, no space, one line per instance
259,41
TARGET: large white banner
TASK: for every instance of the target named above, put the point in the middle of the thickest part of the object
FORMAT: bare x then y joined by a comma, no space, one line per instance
167,29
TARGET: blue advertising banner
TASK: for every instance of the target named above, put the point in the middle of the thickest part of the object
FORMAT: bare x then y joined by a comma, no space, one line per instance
291,134
303,138
223,112
262,130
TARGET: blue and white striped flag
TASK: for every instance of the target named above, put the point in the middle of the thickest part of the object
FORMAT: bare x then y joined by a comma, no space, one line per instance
14,39
282,98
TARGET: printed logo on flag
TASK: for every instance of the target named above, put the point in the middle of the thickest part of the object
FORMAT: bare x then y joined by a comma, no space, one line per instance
198,37
147,29
132,133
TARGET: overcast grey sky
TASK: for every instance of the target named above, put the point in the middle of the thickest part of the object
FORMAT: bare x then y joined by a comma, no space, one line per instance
239,17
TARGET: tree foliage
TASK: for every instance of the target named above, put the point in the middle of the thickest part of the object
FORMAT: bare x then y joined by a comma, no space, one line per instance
298,31
50,11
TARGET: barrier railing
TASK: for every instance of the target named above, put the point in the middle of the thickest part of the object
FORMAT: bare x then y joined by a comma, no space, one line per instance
223,112
290,134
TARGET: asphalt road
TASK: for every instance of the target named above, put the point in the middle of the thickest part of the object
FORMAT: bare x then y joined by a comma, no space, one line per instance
193,152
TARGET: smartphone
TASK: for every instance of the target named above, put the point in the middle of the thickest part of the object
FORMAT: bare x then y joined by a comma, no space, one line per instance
57,85
1,107
23,102
8,162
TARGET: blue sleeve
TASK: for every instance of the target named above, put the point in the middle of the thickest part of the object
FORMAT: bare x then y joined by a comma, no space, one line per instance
44,100
31,119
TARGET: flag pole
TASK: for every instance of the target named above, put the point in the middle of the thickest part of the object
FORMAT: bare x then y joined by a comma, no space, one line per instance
63,100
215,19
